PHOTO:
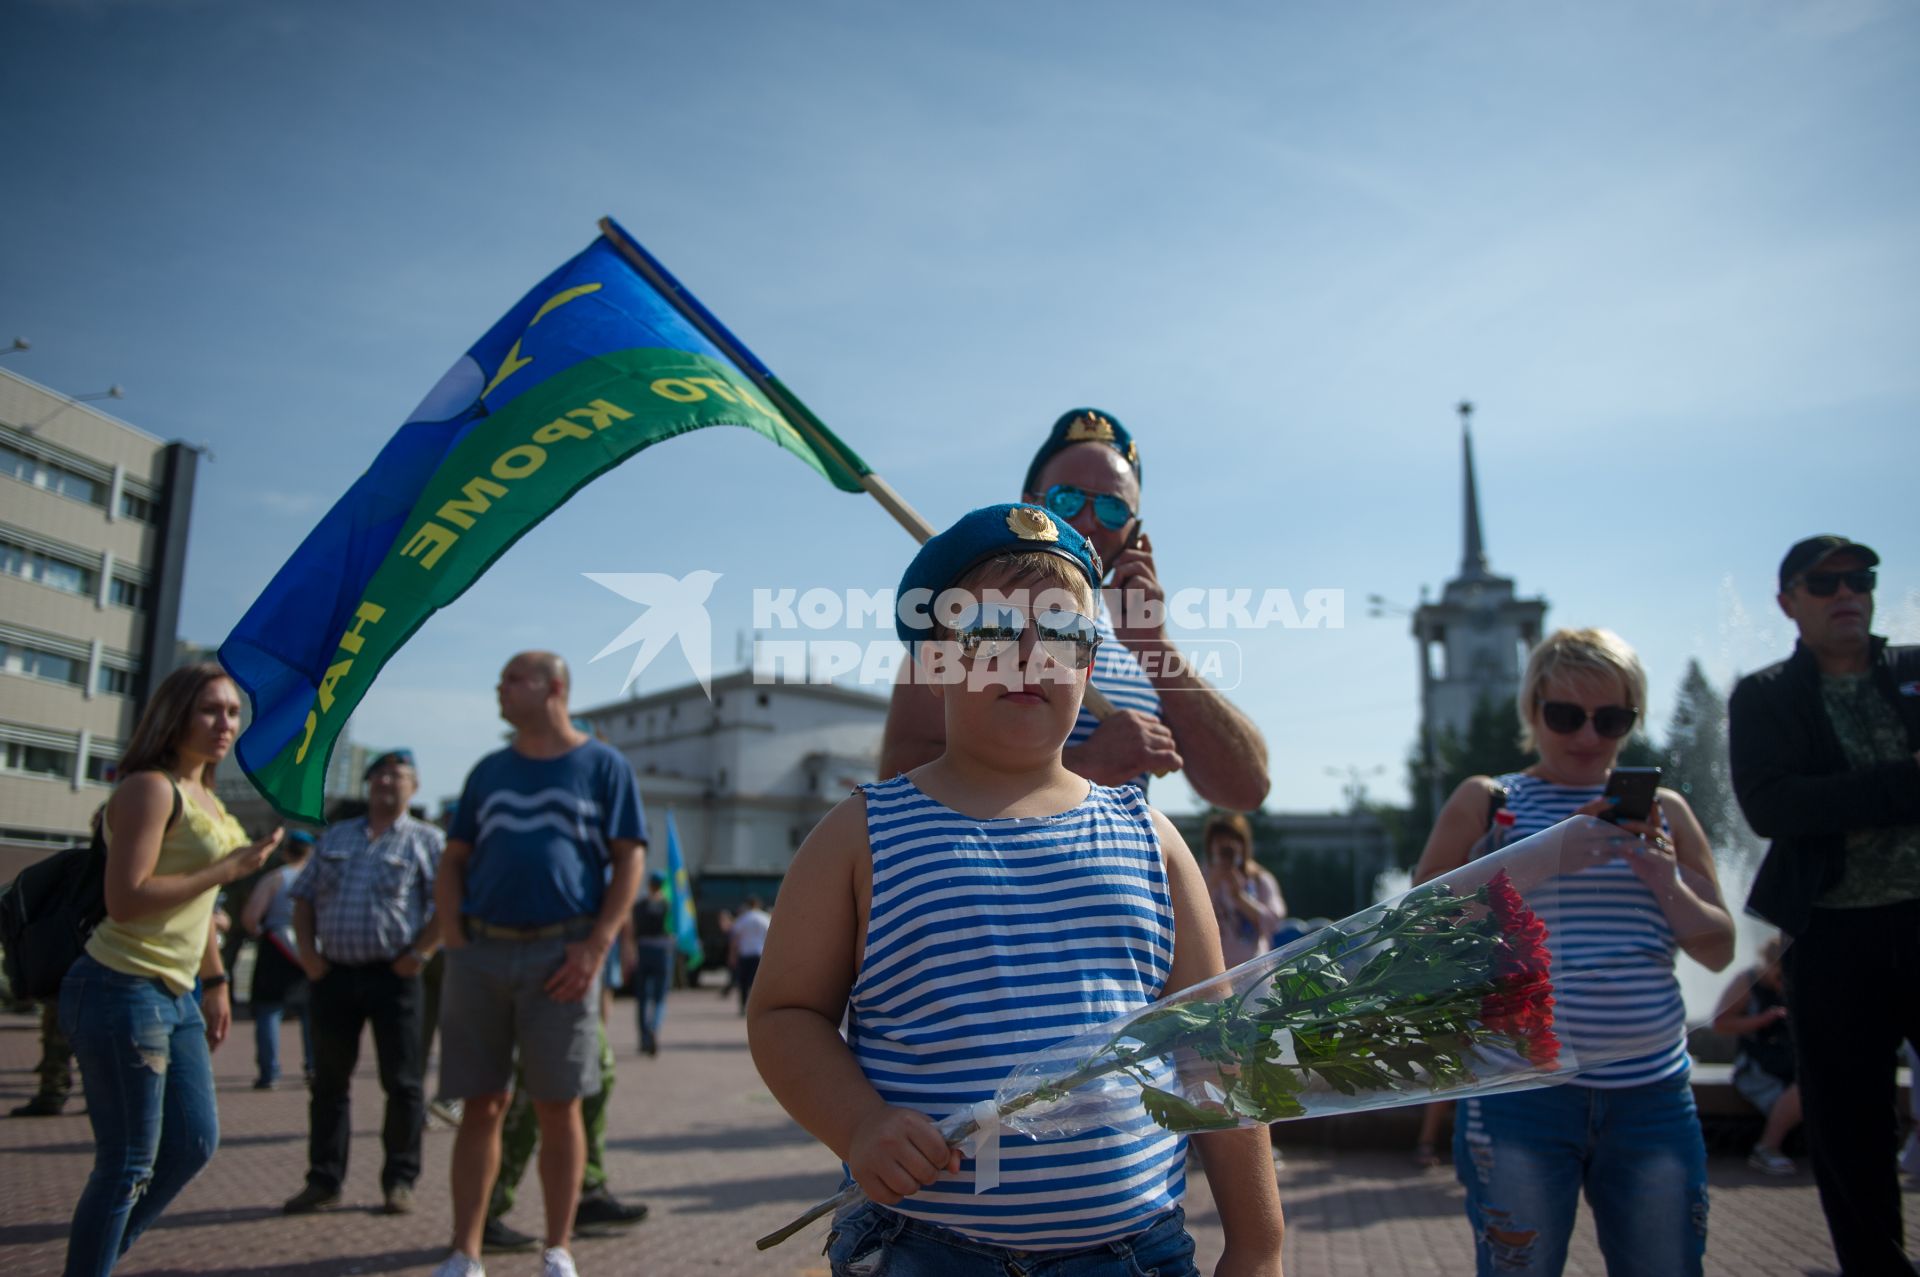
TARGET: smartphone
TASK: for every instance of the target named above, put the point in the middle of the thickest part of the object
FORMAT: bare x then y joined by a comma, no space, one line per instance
1133,539
1631,789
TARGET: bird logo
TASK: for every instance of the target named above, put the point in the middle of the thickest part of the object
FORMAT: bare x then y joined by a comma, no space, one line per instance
672,608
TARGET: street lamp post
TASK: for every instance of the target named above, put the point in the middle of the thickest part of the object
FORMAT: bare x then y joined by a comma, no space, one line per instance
1354,790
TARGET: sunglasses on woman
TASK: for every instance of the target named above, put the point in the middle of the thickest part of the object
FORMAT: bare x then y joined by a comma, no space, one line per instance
992,630
1566,718
1066,501
1825,585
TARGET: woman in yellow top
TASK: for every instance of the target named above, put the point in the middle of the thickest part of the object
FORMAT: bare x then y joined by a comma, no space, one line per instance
128,1004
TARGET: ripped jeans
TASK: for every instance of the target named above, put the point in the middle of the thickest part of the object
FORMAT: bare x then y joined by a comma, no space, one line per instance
1636,1151
149,1086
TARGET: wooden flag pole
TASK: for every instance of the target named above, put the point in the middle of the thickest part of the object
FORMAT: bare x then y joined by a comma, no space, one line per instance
796,413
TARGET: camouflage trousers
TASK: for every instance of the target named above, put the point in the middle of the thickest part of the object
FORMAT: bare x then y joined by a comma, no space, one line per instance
55,1069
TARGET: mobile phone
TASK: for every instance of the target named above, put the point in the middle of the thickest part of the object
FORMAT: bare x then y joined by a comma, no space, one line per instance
1631,789
1133,539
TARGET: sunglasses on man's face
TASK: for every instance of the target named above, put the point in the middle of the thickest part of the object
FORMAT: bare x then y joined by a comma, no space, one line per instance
1566,718
989,631
1825,585
1066,501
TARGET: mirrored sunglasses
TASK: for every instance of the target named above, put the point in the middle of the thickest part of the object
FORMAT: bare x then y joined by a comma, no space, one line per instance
1566,718
1826,584
1066,501
989,631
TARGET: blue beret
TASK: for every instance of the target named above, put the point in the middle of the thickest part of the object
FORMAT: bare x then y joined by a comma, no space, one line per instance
979,536
389,756
1083,425
300,836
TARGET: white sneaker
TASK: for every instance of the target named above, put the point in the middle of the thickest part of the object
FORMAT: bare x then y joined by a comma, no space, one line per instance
555,1262
459,1264
1769,1162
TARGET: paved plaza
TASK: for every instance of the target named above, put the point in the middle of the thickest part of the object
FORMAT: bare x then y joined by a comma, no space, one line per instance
695,1135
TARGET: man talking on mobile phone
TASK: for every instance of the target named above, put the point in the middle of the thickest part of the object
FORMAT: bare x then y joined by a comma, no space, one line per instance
1826,762
1167,718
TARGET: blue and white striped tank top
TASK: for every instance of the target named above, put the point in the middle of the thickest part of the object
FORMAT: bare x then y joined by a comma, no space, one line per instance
1117,673
986,941
1605,924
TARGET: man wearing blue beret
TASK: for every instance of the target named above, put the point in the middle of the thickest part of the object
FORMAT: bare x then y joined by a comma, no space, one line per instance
1167,718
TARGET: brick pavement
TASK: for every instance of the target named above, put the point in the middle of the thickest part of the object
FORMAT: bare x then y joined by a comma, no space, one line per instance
695,1135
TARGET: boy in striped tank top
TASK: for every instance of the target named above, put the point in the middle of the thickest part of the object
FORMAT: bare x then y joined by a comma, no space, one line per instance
979,908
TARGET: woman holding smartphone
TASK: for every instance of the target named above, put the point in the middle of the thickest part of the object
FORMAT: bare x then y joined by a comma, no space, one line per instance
1624,1133
127,1005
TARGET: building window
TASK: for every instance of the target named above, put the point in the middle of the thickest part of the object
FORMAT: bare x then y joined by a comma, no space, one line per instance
134,507
35,662
35,565
102,770
37,760
764,700
126,594
50,477
115,682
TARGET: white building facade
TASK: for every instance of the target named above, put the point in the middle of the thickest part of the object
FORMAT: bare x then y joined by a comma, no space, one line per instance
93,538
747,773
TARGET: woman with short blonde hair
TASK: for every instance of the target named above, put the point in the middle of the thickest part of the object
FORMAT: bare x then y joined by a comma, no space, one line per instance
1624,1132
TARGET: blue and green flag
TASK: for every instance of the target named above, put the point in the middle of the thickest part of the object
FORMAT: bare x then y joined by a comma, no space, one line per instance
683,922
607,356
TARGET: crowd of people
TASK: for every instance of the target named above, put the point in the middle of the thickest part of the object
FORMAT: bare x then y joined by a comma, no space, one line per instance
1006,877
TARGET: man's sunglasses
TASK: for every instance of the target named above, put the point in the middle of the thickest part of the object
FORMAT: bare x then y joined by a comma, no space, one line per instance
1566,718
1826,584
1066,501
990,631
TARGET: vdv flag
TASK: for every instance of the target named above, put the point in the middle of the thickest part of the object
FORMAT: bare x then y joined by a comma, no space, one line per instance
592,366
682,921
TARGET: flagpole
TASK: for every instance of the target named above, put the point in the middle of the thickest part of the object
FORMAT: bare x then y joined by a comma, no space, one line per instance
796,413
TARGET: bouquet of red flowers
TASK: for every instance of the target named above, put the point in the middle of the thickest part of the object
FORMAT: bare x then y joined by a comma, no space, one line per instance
1444,992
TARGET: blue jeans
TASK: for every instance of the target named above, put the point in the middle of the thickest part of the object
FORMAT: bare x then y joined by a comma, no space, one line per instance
1636,1152
872,1241
653,977
266,1037
149,1087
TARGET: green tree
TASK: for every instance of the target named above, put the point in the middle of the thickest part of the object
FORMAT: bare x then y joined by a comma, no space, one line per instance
1695,760
1489,747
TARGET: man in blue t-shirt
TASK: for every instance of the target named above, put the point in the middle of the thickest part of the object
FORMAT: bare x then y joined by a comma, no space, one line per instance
541,866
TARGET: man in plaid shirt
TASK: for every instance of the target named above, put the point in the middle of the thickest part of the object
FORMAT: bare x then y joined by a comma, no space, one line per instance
363,915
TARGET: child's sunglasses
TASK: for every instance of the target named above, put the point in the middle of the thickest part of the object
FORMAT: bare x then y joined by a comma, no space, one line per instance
992,630
1825,585
1065,501
1566,718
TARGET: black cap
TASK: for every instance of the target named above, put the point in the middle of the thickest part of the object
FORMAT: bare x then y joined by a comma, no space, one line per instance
1812,552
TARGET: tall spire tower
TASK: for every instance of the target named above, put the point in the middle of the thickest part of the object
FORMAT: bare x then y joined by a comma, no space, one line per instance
1473,559
1474,642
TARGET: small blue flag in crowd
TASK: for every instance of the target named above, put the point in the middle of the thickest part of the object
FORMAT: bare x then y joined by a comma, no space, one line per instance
681,918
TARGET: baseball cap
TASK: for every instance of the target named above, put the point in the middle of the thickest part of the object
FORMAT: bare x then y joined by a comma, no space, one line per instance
1811,553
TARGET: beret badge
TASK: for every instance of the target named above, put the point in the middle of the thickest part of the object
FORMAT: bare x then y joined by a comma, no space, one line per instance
1030,524
1090,427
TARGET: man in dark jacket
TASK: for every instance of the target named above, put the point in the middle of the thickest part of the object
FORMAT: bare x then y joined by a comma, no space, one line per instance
1826,762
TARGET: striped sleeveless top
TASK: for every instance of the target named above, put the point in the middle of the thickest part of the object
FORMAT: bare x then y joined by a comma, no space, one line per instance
1117,673
1604,919
986,941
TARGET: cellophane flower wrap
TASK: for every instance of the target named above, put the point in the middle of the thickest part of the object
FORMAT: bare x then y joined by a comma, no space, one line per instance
1443,992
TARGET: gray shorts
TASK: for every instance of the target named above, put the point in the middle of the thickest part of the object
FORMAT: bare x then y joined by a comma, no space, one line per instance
494,1001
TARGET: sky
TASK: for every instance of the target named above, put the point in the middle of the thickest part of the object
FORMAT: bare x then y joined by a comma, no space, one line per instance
1669,250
